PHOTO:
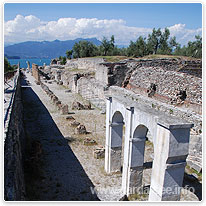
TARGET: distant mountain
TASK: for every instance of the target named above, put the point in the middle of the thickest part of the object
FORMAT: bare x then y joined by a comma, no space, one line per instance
44,49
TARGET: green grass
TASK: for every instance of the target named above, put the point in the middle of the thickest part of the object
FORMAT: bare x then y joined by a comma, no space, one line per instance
133,197
156,56
190,170
112,58
148,143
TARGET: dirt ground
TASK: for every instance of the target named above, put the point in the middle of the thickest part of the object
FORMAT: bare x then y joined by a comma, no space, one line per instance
66,169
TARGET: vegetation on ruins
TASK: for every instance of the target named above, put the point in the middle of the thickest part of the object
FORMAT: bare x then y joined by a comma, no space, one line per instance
69,54
63,60
158,42
7,66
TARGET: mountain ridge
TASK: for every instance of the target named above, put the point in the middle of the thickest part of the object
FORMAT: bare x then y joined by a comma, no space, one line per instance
44,49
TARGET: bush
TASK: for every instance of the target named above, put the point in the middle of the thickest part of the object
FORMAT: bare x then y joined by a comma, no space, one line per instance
7,66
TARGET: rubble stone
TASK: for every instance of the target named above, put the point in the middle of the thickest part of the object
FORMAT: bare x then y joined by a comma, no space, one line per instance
81,129
89,142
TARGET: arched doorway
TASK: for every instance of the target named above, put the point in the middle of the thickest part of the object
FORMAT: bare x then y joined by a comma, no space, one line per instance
136,163
116,141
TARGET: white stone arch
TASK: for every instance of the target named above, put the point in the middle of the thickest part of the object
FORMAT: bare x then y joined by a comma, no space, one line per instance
115,118
170,137
117,130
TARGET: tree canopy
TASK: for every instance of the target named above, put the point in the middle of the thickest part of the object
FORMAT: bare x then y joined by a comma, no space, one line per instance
158,42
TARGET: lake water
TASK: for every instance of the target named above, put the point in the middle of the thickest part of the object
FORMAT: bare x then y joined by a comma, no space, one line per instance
23,63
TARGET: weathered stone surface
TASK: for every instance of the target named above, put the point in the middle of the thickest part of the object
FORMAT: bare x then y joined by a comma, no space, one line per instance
81,129
99,152
75,124
70,118
77,105
14,185
89,141
64,109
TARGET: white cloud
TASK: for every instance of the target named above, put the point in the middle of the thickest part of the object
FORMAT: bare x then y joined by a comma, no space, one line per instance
30,28
183,34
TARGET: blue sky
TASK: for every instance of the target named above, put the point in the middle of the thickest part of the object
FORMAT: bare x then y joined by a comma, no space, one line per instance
137,18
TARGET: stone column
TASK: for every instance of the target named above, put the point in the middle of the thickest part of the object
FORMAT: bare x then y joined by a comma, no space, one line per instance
28,66
128,136
135,172
35,72
170,153
108,136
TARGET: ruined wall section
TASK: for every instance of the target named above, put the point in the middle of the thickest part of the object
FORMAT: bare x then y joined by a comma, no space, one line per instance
93,91
35,72
111,73
14,186
84,63
168,84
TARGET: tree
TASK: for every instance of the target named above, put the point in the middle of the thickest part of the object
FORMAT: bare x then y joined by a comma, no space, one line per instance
84,49
138,48
164,47
107,47
153,42
112,42
193,49
141,46
7,66
76,50
63,60
69,54
173,44
131,49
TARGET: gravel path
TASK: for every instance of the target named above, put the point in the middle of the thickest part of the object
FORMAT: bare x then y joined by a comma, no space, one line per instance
69,170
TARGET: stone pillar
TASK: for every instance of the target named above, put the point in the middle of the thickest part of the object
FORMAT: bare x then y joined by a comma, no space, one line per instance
35,72
128,136
74,83
135,172
170,152
28,66
108,136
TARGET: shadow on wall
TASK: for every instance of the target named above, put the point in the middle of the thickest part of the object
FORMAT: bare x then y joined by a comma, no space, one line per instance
52,171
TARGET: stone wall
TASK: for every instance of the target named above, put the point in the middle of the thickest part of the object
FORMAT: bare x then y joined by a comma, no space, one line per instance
168,84
111,73
14,186
93,91
172,81
84,63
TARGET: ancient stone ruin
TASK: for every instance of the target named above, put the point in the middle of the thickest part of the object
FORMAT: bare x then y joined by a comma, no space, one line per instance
170,139
143,100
